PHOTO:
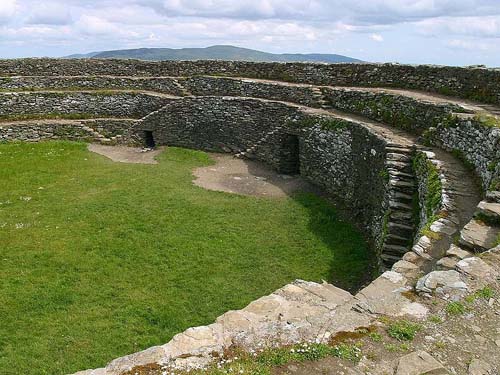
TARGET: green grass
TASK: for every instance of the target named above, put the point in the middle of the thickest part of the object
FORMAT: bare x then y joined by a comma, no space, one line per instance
101,259
455,308
403,330
266,362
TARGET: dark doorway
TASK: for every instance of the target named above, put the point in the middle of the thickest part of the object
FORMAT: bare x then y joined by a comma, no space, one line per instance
149,139
290,155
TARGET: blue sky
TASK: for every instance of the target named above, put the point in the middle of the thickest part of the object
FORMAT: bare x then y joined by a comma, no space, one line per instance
451,32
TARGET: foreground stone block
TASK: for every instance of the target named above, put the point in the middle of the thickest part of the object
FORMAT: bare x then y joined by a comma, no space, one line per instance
455,251
479,367
445,284
489,210
479,236
419,363
477,269
385,296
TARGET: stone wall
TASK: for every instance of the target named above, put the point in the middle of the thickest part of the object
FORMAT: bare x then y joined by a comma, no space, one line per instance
73,130
112,104
159,84
220,86
473,142
347,160
403,112
221,125
474,83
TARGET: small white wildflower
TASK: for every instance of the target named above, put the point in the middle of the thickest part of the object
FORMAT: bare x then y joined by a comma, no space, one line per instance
19,225
26,199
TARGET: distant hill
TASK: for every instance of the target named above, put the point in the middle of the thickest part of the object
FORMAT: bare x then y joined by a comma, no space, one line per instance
212,53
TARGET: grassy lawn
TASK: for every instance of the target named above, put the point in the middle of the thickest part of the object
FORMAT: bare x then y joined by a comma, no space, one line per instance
100,259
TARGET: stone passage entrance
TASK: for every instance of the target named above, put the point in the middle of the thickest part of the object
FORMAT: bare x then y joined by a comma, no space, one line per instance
290,155
149,139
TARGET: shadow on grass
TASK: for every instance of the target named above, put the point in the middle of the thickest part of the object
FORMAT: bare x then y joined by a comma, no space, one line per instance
352,263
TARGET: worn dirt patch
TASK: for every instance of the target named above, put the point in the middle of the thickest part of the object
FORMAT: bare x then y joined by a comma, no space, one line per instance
248,177
124,154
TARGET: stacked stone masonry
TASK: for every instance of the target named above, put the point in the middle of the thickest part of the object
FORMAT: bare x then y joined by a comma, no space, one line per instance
363,144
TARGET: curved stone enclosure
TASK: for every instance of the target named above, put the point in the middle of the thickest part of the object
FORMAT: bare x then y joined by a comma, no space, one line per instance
404,163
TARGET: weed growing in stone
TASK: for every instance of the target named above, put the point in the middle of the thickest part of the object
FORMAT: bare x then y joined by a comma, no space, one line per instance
435,319
455,308
403,330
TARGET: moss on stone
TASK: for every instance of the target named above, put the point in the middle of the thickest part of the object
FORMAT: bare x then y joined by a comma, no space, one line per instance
324,123
424,167
487,120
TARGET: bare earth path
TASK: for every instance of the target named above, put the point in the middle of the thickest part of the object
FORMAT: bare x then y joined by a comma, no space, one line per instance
247,177
231,175
123,154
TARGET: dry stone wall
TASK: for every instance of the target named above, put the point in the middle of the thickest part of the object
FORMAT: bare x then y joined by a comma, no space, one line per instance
166,85
74,130
475,83
473,142
221,86
115,104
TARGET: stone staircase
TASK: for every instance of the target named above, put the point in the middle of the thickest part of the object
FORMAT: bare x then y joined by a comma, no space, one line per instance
400,225
182,89
98,137
319,98
248,153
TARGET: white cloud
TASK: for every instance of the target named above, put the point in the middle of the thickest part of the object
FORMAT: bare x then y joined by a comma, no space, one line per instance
49,13
468,45
7,10
272,25
485,27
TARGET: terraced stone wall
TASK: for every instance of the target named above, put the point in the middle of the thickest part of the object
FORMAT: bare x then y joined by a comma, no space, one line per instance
475,83
95,104
409,114
221,86
73,130
158,84
473,142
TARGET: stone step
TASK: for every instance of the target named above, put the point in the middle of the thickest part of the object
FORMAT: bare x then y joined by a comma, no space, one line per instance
400,166
400,206
400,226
403,217
395,233
399,150
397,157
388,260
392,239
401,197
402,183
395,250
396,173
106,141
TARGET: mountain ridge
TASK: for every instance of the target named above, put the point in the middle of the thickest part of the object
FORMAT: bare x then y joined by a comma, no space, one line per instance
217,52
